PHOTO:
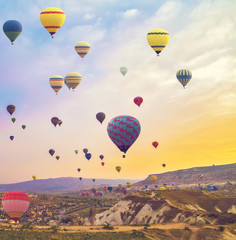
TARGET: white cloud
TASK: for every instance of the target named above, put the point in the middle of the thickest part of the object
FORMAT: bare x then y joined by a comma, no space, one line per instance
130,13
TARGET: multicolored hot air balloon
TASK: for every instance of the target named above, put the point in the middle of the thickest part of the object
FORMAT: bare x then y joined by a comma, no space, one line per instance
51,151
23,126
123,131
57,157
85,150
155,144
12,137
76,151
102,163
56,82
13,120
82,48
12,29
11,109
52,19
100,117
110,189
55,121
101,157
66,84
118,168
15,204
153,178
184,76
123,70
88,155
34,177
158,39
138,101
73,79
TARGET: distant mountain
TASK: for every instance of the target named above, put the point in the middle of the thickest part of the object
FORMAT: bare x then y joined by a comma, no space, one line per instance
196,175
64,184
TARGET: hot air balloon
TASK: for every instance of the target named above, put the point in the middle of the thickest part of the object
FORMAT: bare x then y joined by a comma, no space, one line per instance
146,186
138,101
66,84
34,177
102,163
110,189
158,39
105,189
118,168
100,117
120,185
15,204
85,150
88,155
93,190
80,178
12,29
11,109
125,191
100,193
153,178
60,122
83,194
78,169
155,144
73,79
56,82
184,76
52,19
12,137
87,193
123,131
128,184
51,151
94,179
163,165
82,48
23,126
13,120
156,186
162,188
76,151
57,157
55,121
123,70
101,157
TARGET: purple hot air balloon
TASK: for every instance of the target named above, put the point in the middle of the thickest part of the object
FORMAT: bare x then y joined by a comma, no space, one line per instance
85,150
51,151
100,117
60,122
11,109
11,137
55,121
123,131
78,169
101,157
88,155
83,194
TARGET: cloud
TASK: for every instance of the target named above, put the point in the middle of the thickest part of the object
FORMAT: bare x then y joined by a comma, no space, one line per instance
130,13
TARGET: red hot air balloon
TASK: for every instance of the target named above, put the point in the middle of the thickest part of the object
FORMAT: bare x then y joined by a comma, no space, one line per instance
155,144
100,117
55,121
87,193
102,163
11,109
138,101
105,189
15,204
83,194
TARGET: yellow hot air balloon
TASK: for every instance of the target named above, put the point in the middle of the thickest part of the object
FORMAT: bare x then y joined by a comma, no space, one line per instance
34,177
153,178
73,79
118,168
82,48
52,19
162,188
158,39
56,82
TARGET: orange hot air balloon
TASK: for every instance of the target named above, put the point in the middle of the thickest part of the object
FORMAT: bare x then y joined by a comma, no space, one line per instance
15,204
52,19
155,144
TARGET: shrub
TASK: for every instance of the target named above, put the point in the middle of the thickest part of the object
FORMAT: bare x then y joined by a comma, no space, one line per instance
107,226
186,228
221,228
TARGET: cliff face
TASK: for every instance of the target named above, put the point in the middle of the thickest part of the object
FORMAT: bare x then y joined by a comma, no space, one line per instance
135,210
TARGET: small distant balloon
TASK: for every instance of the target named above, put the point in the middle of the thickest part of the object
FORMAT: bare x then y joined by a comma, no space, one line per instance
110,189
153,178
82,48
23,126
34,177
56,82
155,144
85,150
12,29
138,101
102,163
78,169
12,137
88,155
80,178
118,168
163,165
101,157
123,70
55,121
94,179
11,109
60,122
57,157
51,151
76,151
73,79
100,117
13,120
184,76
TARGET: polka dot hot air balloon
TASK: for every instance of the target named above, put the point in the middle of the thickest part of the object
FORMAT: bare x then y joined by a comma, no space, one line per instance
158,39
56,82
123,131
15,204
184,76
73,79
82,48
52,19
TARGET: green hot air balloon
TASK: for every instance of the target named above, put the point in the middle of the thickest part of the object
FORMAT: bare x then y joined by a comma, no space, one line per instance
13,120
94,180
12,29
23,126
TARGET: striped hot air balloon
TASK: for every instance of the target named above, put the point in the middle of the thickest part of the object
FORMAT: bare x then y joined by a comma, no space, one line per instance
158,39
184,76
73,79
56,82
123,70
82,48
15,204
52,19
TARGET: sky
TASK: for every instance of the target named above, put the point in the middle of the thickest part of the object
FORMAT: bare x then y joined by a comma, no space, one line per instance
194,126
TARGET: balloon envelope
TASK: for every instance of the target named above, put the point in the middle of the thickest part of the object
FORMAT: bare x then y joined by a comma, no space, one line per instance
51,151
184,76
85,150
12,29
80,178
155,144
102,163
56,82
101,157
11,137
153,178
73,79
118,168
123,70
123,131
52,19
13,120
76,151
15,204
109,188
34,177
23,126
82,48
55,121
57,157
11,109
100,117
163,165
88,155
78,169
138,101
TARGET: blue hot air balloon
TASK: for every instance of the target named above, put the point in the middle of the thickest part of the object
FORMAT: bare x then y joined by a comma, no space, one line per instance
12,29
88,155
